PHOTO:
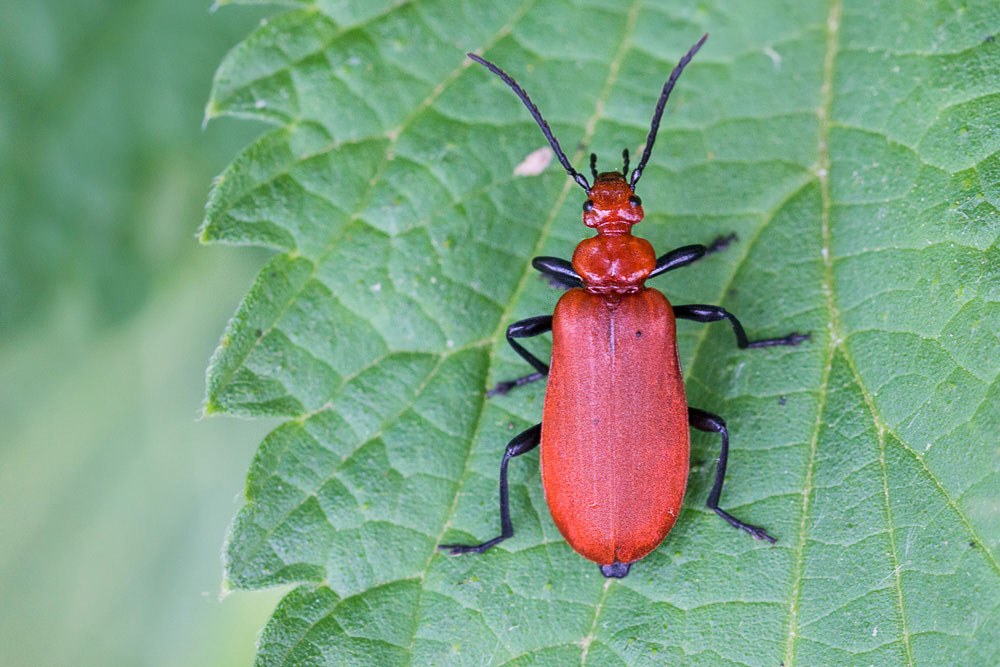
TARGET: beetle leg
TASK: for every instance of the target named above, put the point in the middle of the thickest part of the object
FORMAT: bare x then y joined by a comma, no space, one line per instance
702,313
559,272
502,388
677,258
706,421
523,442
533,326
689,254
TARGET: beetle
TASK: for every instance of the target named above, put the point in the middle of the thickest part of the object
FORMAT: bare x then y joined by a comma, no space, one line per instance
614,433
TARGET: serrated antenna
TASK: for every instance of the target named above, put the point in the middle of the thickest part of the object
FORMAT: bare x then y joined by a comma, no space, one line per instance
658,114
536,114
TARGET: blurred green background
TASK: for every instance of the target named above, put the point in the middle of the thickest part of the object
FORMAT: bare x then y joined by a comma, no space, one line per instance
114,497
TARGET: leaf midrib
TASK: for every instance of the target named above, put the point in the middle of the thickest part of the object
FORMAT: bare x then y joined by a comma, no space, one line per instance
837,342
526,273
822,173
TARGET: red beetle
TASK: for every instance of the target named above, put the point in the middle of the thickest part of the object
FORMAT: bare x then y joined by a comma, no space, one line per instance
614,431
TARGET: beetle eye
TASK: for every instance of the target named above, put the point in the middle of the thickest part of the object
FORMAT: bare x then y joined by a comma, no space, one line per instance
635,201
588,206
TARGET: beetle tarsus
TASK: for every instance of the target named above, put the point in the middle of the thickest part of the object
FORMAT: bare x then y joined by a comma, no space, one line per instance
459,549
790,340
721,243
755,531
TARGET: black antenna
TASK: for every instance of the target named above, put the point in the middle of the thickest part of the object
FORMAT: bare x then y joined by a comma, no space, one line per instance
655,125
533,110
625,163
593,165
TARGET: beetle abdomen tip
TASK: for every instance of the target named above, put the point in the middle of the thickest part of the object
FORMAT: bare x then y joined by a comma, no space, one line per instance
616,570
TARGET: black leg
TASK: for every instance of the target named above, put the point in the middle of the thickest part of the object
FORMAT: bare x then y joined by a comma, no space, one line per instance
689,254
559,272
706,421
523,442
677,258
702,313
533,326
501,388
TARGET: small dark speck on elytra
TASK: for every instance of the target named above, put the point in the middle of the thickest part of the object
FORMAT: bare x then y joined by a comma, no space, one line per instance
259,333
973,544
272,274
782,400
990,38
638,334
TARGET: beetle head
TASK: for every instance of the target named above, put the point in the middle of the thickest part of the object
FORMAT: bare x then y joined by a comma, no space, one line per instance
612,207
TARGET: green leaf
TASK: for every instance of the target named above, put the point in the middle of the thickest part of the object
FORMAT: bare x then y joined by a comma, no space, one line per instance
100,155
852,147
